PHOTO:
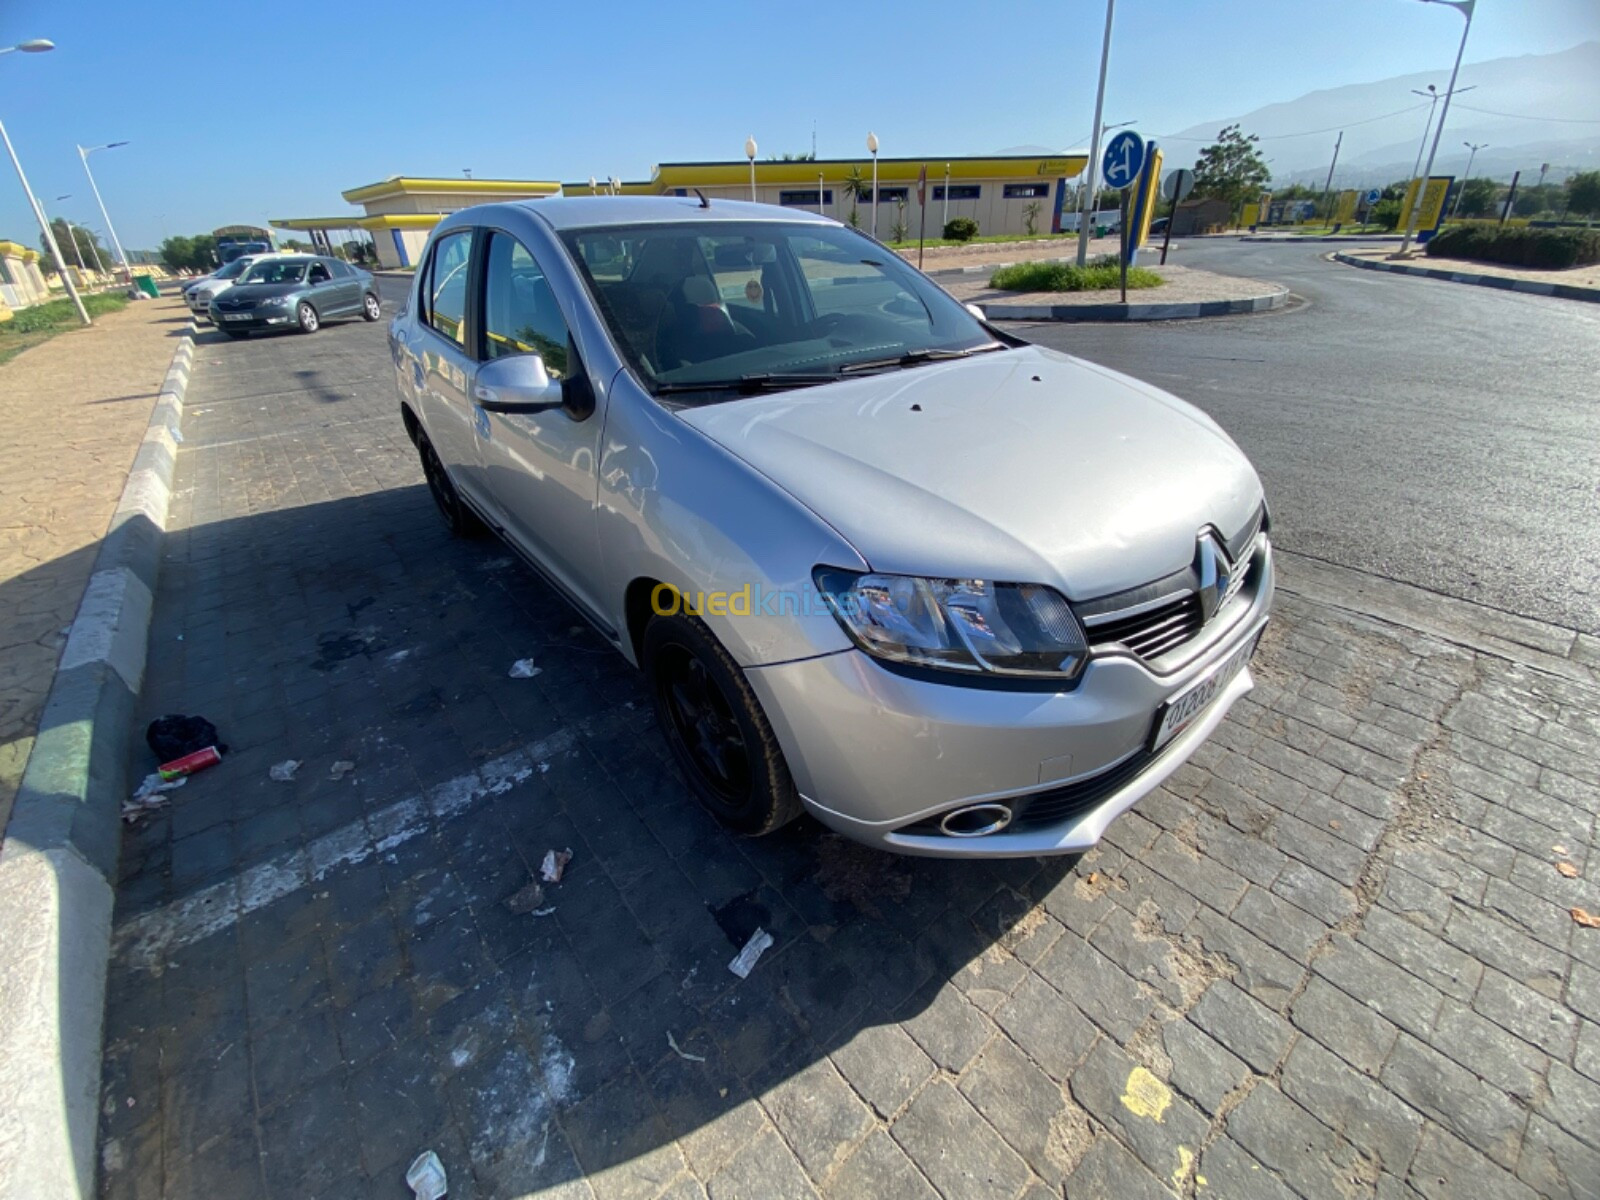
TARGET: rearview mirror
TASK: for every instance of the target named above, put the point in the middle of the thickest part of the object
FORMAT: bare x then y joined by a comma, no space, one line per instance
518,384
732,256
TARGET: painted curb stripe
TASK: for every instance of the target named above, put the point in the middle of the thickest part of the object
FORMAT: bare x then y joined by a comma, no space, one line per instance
1176,311
1534,287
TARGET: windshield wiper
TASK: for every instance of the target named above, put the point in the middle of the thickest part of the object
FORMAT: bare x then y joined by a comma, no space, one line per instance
748,384
913,357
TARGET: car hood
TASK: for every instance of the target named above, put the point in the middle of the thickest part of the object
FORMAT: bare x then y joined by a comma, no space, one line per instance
255,293
1025,465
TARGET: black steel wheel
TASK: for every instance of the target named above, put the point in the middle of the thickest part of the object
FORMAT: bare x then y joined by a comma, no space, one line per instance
460,519
719,736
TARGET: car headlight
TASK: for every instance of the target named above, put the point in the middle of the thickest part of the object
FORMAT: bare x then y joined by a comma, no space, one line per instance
970,625
276,302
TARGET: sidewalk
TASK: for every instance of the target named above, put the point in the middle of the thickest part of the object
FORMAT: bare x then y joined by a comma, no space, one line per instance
74,410
1187,293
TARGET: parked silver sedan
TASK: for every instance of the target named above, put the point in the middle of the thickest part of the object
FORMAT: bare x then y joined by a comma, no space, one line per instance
295,291
951,593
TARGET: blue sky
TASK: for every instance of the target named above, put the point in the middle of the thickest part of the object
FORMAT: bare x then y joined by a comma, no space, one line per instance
238,113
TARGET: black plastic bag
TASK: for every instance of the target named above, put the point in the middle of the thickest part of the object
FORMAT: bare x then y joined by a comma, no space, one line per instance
174,736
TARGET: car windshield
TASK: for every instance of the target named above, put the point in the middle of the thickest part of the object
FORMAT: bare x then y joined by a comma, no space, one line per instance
234,269
717,304
276,272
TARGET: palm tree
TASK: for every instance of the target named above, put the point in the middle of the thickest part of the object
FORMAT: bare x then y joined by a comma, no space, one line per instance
857,188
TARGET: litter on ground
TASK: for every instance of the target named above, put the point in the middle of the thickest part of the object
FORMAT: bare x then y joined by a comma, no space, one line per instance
426,1178
525,899
745,961
554,864
284,772
523,668
682,1053
340,769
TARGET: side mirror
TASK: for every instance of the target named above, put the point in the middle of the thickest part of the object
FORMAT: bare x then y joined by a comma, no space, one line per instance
518,384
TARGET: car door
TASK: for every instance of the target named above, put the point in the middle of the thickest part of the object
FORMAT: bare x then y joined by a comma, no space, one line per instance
441,366
324,292
346,285
540,467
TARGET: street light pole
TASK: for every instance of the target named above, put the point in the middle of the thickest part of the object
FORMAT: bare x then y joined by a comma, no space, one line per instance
1094,142
1456,207
77,250
750,153
944,215
39,46
872,149
83,154
1464,7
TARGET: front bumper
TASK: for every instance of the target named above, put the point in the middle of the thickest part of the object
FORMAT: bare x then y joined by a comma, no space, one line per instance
875,753
254,319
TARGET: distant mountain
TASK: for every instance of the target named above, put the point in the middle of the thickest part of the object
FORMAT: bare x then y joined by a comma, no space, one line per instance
1379,148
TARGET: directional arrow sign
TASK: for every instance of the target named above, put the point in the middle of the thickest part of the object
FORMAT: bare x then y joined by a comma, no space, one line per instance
1374,196
1124,159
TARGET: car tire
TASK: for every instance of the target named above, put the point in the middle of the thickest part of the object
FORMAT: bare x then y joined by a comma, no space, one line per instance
720,738
307,318
458,518
371,307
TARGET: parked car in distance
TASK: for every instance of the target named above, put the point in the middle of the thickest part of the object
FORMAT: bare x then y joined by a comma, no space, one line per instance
949,592
199,294
297,291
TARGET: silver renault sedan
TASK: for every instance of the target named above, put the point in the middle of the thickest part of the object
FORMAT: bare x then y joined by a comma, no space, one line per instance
951,593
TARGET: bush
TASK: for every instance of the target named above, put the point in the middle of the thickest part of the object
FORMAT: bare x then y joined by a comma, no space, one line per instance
1386,213
57,314
960,229
1101,274
1548,249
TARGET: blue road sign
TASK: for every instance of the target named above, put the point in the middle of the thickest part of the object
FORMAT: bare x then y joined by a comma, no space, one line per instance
1124,159
1374,196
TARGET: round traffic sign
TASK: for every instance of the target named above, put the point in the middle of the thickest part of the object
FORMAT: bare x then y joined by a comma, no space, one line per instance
1178,185
1123,160
1374,196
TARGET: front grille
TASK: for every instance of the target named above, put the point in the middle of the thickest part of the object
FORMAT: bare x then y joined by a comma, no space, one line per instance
1058,804
1151,634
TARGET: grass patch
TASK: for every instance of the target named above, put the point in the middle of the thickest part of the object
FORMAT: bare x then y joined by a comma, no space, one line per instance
1099,275
30,326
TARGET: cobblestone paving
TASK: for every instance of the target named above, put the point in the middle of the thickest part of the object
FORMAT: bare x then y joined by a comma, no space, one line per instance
73,410
1334,958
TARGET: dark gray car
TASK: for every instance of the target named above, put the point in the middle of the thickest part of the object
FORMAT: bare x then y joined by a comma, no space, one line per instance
295,291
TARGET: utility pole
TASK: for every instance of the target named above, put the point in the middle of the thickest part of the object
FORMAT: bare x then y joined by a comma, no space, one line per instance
1464,7
1094,142
1456,207
1327,187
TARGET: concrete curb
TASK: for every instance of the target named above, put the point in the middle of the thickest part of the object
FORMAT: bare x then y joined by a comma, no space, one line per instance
1332,237
1535,287
58,866
1174,311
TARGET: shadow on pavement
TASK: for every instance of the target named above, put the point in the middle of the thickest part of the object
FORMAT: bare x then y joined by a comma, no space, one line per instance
317,979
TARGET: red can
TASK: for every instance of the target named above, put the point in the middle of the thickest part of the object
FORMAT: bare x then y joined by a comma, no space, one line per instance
190,763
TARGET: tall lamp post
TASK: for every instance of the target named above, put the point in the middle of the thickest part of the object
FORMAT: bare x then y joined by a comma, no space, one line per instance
944,215
872,149
750,153
1094,142
1456,207
39,46
1432,96
77,250
83,153
1464,7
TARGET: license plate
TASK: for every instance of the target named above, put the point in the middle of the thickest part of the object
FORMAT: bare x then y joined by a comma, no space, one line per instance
1179,712
236,316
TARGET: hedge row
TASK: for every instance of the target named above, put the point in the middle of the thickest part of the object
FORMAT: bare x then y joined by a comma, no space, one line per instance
1550,248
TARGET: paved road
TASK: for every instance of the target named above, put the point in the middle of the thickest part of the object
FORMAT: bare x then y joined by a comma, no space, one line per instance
1443,435
1331,957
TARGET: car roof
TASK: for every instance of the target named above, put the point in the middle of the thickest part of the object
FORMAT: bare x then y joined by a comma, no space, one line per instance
590,212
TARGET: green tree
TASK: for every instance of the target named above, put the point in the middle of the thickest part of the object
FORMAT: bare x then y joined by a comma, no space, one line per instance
1231,168
1533,199
858,188
198,253
1478,197
1583,194
67,237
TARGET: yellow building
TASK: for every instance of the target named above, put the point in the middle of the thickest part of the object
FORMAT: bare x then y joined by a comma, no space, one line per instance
1003,193
21,281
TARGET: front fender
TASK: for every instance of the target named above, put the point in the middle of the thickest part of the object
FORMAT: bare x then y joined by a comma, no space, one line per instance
677,508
